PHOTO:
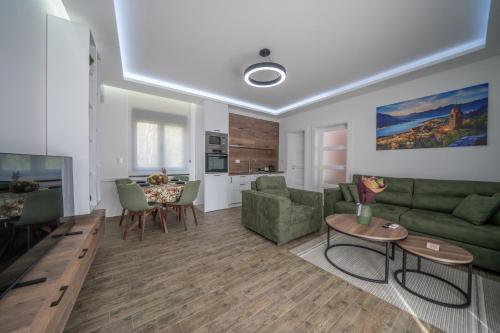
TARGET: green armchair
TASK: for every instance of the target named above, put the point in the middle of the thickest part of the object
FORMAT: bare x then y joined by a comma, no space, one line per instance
279,213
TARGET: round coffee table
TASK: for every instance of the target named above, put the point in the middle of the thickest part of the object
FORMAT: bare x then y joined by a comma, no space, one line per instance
375,232
446,255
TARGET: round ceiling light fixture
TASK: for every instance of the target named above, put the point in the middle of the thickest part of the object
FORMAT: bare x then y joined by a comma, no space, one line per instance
277,71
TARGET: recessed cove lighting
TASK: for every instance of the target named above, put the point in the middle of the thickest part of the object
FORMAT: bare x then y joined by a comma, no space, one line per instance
252,74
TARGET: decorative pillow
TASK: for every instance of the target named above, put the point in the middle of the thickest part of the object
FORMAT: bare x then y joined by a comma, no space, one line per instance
353,188
495,219
346,192
477,209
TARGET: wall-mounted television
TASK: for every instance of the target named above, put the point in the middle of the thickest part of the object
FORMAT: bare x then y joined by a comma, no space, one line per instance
35,192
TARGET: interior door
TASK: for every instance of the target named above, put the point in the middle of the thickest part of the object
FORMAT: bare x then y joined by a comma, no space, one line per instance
295,159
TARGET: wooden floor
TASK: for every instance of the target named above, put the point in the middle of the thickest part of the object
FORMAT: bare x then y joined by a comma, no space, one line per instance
220,277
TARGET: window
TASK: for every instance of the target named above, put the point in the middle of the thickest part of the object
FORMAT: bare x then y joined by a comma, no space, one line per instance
159,140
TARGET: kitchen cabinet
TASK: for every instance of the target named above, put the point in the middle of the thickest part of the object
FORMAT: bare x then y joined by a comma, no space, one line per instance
253,143
216,116
238,183
215,191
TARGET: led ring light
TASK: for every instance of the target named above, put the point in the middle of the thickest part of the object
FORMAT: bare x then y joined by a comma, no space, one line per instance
265,66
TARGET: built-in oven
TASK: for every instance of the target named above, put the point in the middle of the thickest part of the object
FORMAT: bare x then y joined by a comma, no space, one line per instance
216,163
216,142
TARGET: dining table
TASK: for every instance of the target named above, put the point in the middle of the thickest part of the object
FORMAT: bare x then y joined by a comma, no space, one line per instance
163,193
11,205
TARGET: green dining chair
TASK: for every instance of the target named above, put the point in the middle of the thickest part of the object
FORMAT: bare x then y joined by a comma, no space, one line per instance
41,209
188,196
182,178
118,182
135,202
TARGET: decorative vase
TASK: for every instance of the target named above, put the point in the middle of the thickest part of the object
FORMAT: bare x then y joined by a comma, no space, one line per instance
364,214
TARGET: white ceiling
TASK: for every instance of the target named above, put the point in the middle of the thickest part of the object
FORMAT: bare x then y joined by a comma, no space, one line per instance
201,48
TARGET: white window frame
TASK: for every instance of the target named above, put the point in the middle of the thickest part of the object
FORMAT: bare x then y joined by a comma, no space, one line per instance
162,119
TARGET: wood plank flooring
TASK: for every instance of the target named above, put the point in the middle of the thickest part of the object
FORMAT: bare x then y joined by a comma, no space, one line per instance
220,277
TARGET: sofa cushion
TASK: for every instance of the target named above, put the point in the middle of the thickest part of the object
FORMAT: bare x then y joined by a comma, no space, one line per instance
495,219
394,198
389,212
437,203
301,213
346,192
344,207
353,188
450,227
273,185
455,188
445,195
477,209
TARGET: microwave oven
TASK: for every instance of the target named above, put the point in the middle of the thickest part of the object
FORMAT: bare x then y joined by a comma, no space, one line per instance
216,142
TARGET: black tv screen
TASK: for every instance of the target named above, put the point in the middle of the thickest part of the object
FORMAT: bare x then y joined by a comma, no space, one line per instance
35,192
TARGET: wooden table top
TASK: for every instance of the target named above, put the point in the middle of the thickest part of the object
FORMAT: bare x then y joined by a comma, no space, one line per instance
346,223
447,254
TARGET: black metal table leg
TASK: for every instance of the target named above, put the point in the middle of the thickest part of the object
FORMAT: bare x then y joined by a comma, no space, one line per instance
386,254
469,283
404,268
393,253
403,271
328,236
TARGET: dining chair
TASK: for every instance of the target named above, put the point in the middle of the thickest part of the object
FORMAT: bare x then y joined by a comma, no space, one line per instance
41,210
136,204
182,178
118,182
188,196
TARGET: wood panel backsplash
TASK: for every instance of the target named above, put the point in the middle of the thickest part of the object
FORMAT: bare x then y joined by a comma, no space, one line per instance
253,141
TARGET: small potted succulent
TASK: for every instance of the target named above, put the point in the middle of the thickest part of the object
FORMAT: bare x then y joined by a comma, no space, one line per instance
368,189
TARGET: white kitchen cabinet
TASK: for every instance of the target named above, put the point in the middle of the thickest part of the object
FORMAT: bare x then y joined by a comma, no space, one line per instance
240,183
216,116
216,194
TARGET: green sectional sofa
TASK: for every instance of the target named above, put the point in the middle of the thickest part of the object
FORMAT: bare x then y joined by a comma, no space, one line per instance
280,213
426,206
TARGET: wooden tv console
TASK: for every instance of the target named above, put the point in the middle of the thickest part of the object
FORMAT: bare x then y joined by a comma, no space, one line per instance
45,307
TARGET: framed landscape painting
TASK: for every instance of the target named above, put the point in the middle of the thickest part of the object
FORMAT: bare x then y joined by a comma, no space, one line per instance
455,118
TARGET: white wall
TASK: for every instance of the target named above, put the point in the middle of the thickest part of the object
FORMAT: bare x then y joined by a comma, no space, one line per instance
115,136
474,163
23,67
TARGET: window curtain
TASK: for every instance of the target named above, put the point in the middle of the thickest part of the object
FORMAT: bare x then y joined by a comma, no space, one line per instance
159,140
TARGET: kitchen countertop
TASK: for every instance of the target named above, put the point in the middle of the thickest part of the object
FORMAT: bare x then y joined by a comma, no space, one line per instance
256,173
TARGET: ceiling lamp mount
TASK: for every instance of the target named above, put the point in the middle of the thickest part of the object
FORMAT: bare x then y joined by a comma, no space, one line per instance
278,70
